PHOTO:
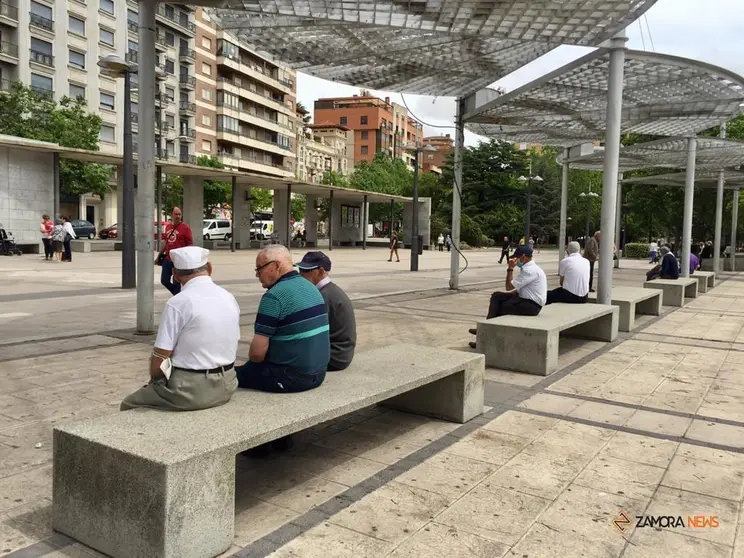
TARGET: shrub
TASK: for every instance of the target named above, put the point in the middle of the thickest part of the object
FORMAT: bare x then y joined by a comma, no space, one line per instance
464,245
470,232
487,242
635,250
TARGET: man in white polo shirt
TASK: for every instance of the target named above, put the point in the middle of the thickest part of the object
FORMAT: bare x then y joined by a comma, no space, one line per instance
574,273
191,366
525,294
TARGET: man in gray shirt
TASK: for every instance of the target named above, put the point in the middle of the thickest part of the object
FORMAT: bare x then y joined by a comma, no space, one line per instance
341,321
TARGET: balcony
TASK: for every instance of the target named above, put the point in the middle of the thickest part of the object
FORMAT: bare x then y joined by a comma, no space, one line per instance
187,134
9,49
8,11
133,26
183,23
41,58
187,82
132,56
187,55
160,42
187,158
6,85
42,22
230,160
249,114
186,107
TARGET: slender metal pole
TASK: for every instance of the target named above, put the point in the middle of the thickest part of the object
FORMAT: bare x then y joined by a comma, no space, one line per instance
564,207
689,200
235,226
330,222
734,226
159,172
528,212
719,215
392,218
618,215
55,213
128,256
454,282
145,174
289,216
611,164
365,213
414,213
588,217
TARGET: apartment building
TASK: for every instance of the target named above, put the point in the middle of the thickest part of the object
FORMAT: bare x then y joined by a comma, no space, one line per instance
324,148
434,160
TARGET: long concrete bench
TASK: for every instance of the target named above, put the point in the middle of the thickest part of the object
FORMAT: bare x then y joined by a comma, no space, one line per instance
675,290
706,280
530,343
153,484
633,301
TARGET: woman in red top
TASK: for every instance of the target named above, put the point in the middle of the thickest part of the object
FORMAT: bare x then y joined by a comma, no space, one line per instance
177,235
46,227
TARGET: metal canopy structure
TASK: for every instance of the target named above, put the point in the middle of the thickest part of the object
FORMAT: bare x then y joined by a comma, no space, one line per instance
662,95
434,47
712,153
703,179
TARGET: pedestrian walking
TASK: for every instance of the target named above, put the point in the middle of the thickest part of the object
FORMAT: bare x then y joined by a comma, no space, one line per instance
591,253
448,242
177,235
505,250
440,242
67,225
394,248
46,227
58,240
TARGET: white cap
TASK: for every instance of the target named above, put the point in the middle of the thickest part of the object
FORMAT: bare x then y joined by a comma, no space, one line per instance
189,257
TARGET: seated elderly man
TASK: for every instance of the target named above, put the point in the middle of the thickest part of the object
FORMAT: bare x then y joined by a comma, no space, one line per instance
191,366
525,295
574,275
667,268
291,345
341,320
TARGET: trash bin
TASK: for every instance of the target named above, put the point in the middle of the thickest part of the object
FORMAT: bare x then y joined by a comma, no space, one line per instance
421,244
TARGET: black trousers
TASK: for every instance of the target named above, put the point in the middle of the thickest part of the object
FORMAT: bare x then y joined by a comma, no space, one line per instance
48,252
591,274
68,251
504,254
503,304
562,295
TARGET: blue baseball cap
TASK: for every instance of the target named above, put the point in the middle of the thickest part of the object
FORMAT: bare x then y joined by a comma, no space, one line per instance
314,260
523,251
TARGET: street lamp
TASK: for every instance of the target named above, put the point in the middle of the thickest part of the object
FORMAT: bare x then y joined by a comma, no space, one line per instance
416,150
114,66
529,180
589,196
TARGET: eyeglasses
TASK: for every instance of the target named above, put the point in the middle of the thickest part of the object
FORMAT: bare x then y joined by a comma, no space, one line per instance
260,267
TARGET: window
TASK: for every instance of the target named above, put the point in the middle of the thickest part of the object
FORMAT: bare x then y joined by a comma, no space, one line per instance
170,93
132,46
108,133
170,67
365,135
170,39
206,121
206,69
43,47
228,124
77,26
106,6
206,94
365,150
41,83
207,146
227,99
107,37
132,16
363,120
343,121
77,91
170,120
207,43
108,101
41,16
77,59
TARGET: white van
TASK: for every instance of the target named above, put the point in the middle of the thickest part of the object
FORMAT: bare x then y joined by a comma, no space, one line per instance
216,229
261,230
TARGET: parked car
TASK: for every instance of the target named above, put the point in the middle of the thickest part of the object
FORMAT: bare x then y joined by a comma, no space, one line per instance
83,229
109,232
216,229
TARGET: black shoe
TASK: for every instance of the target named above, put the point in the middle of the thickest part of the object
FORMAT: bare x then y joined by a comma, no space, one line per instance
592,290
473,331
283,444
259,452
472,344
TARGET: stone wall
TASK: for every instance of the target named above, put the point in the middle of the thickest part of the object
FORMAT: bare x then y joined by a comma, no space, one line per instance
26,191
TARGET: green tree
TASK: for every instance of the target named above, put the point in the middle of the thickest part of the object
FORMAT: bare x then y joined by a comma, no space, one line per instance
303,113
298,207
216,192
27,114
261,199
383,175
333,178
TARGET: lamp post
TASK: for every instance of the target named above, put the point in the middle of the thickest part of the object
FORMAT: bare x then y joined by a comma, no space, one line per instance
589,197
529,180
416,150
116,67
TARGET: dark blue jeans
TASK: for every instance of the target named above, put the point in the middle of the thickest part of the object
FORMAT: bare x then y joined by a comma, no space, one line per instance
166,278
265,377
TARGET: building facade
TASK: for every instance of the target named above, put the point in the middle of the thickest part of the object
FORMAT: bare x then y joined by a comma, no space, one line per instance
434,160
322,149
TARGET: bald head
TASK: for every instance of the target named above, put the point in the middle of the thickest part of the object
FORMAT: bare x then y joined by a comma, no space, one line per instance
177,215
272,263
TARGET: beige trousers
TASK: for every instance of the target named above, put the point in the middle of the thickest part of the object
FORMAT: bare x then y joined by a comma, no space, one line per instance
184,391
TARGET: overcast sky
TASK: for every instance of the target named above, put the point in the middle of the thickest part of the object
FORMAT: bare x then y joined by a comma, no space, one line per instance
711,31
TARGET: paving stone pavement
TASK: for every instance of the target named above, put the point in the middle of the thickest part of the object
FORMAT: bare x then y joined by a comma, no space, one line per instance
651,425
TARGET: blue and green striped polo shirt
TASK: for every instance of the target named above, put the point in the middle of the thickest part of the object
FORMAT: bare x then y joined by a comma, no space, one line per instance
292,314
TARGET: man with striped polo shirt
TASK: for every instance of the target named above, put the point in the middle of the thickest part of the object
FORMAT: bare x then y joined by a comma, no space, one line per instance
291,343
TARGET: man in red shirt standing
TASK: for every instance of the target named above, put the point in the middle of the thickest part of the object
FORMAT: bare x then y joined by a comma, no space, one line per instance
177,235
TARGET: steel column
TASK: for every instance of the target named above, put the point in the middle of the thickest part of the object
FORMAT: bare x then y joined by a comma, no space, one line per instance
689,200
454,282
719,214
564,208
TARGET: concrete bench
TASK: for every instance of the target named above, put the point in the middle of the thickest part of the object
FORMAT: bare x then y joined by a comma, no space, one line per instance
154,484
633,301
675,290
706,280
530,343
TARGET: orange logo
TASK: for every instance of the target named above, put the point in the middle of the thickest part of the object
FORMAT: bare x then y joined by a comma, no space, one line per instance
622,522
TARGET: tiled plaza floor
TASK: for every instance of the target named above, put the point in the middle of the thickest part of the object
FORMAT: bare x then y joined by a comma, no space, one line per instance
651,425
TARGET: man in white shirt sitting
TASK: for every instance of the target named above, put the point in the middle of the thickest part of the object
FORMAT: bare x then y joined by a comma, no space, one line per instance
525,295
198,335
574,273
